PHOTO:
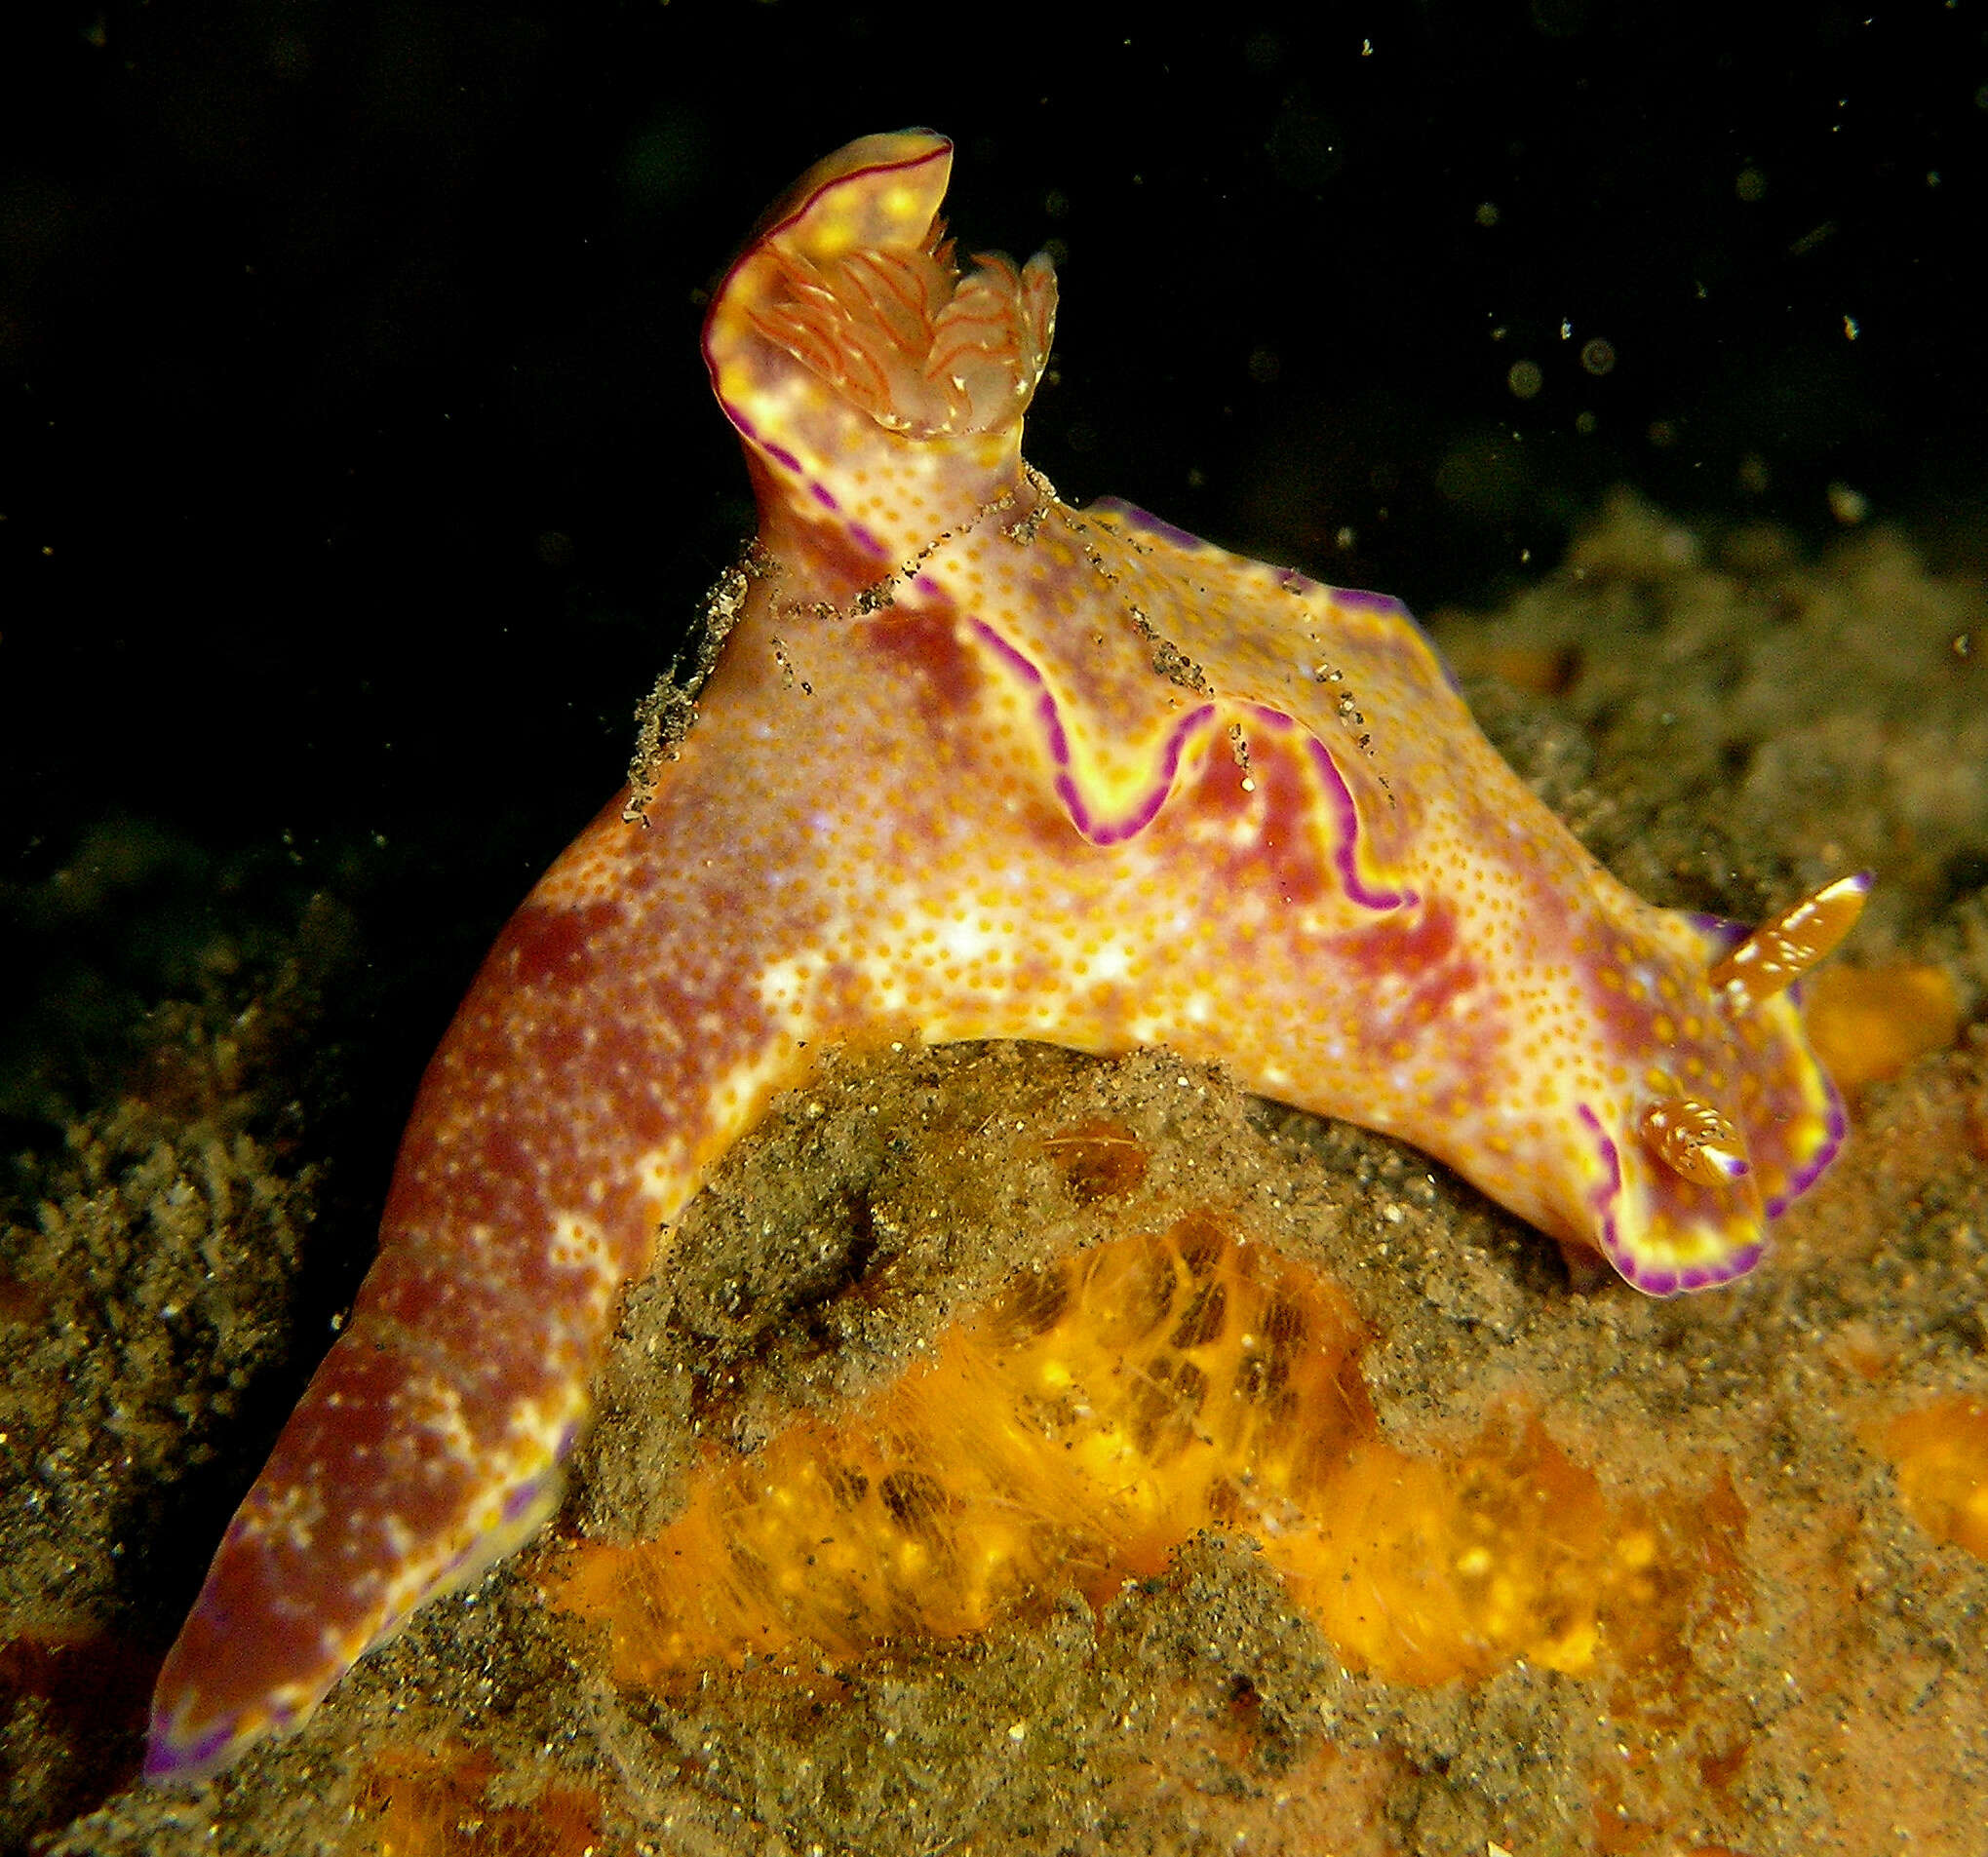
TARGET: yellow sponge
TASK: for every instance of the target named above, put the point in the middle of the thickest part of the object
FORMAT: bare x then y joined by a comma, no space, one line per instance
1081,1426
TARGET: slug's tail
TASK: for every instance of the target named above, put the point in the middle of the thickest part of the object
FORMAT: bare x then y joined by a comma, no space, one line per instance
401,1476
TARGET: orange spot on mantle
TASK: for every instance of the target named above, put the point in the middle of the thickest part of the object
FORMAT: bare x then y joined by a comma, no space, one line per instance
1868,1024
1080,1427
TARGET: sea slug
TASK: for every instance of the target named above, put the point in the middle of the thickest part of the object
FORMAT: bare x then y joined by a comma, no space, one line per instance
971,764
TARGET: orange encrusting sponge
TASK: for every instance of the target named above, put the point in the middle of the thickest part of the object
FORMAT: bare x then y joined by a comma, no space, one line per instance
1082,1424
1868,1024
432,1804
1939,1455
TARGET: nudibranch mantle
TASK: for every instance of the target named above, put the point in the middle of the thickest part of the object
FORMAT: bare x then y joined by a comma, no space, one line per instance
976,764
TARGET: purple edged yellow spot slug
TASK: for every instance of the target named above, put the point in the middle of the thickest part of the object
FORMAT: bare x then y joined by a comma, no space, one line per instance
972,763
